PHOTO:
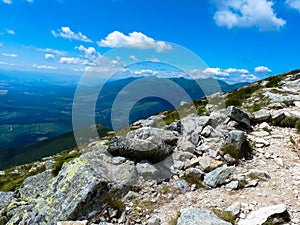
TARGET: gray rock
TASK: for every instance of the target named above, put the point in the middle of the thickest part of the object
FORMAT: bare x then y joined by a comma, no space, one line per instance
235,208
155,135
218,176
186,146
230,160
153,221
261,215
193,123
258,173
146,170
233,185
238,115
235,139
36,185
5,199
195,216
206,132
261,115
181,185
84,222
277,116
139,149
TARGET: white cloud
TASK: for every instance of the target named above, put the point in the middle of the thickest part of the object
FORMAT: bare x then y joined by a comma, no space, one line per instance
89,53
247,13
3,63
295,4
0,44
66,32
215,72
9,31
44,67
153,59
71,60
10,55
30,1
234,70
134,58
136,40
50,50
49,56
262,69
7,1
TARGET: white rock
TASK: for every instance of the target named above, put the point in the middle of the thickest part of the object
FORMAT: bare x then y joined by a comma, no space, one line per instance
261,215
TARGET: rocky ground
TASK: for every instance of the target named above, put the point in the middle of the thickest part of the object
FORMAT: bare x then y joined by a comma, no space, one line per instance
230,166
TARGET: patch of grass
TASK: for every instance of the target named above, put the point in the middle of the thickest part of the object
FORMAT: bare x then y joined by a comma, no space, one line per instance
255,107
175,220
114,203
165,190
253,176
233,152
297,125
239,96
147,206
61,159
292,140
288,122
274,81
193,179
225,215
242,184
267,130
13,181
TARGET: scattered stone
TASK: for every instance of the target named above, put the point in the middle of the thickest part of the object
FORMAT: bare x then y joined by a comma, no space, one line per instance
233,185
146,170
181,185
153,221
195,216
238,115
235,208
85,222
261,215
207,131
261,115
218,176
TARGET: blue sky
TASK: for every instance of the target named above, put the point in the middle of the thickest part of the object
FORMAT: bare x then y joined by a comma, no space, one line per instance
238,40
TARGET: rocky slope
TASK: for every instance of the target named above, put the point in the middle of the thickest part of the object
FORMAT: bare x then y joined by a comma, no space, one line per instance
238,165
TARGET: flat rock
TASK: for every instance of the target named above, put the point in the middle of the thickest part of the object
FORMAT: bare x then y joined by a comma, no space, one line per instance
218,176
238,115
139,149
195,216
261,115
261,215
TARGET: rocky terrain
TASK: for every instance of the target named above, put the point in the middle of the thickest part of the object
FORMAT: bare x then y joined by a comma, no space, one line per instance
231,165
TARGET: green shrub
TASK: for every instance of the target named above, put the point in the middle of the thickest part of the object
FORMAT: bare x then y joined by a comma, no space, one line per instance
192,179
242,184
274,81
292,140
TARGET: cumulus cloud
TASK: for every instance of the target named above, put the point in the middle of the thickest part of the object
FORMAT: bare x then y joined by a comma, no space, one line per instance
30,1
3,63
72,60
262,69
50,50
215,72
234,70
89,53
49,56
10,55
44,67
247,13
7,1
67,33
136,40
295,4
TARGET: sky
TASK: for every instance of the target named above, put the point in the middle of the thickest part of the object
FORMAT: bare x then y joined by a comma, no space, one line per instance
237,40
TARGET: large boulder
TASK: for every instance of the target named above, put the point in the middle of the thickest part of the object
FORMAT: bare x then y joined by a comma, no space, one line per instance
139,149
5,199
238,115
195,216
218,176
82,187
155,135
